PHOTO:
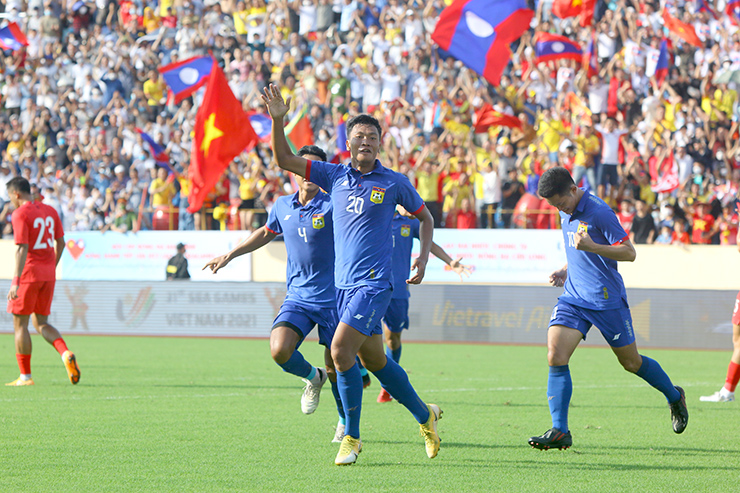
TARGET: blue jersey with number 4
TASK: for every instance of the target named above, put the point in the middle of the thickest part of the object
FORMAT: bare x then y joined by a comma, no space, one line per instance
405,229
593,281
364,206
309,241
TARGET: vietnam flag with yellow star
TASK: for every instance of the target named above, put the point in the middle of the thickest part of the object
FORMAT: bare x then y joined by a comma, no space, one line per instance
681,29
222,131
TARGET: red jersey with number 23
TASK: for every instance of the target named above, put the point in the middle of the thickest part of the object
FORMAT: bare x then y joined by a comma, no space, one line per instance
37,225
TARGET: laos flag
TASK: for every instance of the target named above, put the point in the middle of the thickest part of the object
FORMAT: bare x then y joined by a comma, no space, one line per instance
661,69
478,33
553,47
158,152
12,38
733,11
185,77
262,125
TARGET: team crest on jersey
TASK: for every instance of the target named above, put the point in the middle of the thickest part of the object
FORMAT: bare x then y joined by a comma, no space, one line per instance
318,221
582,227
405,230
377,195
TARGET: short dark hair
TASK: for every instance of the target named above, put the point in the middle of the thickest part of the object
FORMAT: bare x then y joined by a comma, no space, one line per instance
363,119
315,150
19,184
555,181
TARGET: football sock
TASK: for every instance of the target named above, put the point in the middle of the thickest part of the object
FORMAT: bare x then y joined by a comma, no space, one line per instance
338,400
298,366
394,354
24,365
59,345
394,379
559,392
363,370
350,388
733,376
652,373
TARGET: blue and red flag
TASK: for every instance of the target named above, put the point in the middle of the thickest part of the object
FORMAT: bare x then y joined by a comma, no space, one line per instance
703,6
478,33
554,47
661,69
158,152
590,60
262,125
733,10
343,152
12,38
185,77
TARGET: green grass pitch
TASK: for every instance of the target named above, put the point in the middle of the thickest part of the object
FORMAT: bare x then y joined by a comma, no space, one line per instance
169,414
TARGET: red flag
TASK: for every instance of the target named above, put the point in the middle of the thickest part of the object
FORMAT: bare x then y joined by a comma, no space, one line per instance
487,117
573,8
668,176
222,131
681,29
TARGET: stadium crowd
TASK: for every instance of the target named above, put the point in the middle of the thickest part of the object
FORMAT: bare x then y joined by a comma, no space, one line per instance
71,103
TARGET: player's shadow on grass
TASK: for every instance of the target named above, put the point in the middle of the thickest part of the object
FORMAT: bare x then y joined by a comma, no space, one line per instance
448,444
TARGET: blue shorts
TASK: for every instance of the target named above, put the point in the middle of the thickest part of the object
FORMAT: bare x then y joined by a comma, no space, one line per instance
607,175
303,319
397,316
363,307
615,325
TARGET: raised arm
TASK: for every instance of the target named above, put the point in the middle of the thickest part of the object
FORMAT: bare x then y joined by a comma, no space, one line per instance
278,108
256,240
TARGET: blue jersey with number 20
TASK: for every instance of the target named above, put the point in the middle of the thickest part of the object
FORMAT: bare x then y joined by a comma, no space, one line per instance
593,281
309,241
364,206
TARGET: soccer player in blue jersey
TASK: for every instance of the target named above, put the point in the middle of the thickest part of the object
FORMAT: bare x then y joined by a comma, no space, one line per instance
305,221
594,294
405,229
364,195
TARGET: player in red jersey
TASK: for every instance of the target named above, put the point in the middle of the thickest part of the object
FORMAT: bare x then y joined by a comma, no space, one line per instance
39,236
727,392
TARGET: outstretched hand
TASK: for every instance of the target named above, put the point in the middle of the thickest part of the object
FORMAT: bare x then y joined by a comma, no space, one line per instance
273,99
217,263
459,268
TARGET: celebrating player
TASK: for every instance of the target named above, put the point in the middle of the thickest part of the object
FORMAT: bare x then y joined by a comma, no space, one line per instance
38,233
405,229
727,392
594,295
364,196
305,221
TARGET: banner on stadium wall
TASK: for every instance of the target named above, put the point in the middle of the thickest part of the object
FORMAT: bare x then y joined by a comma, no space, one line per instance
515,256
663,318
143,256
162,308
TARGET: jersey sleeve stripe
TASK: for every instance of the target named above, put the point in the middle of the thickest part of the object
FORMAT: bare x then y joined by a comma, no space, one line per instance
308,170
418,210
621,241
271,231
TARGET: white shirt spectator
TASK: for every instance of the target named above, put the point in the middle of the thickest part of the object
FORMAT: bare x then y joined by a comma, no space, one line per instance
391,86
597,98
307,13
371,90
610,144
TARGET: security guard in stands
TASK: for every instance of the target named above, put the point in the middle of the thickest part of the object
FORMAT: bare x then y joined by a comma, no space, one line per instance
177,266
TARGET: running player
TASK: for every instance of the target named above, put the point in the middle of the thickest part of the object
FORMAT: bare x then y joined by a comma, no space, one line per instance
594,295
38,233
727,393
405,229
364,196
305,221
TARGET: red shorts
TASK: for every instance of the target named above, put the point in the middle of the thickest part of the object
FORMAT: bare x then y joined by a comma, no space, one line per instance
736,311
33,297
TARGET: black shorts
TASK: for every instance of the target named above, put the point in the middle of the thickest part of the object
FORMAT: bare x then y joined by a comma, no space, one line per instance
247,204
